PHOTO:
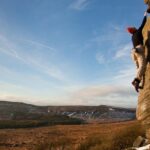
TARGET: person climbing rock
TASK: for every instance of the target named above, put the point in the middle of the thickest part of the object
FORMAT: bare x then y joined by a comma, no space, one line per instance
137,52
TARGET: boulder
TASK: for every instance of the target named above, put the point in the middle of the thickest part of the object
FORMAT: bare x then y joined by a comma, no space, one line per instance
147,147
139,141
143,107
148,134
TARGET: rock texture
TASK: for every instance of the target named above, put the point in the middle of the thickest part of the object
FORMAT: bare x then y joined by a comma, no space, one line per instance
140,144
143,108
146,1
139,141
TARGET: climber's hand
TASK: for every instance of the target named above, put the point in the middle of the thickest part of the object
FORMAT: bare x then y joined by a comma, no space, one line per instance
148,10
136,50
145,13
136,83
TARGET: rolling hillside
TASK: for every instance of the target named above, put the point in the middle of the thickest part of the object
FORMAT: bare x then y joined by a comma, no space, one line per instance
18,111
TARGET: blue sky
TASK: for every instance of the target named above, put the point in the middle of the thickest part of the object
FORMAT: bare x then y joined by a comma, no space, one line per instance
68,52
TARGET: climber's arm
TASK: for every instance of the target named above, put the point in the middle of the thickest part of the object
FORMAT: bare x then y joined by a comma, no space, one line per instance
134,58
143,22
142,66
137,64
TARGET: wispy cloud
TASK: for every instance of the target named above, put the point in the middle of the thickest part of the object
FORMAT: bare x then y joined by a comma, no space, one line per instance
38,44
79,4
23,99
111,38
30,58
109,33
7,47
105,94
99,91
123,51
127,72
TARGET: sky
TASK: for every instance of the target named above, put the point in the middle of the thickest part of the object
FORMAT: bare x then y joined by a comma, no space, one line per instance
68,52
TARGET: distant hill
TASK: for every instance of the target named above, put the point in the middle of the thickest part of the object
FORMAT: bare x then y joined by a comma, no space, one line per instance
21,115
95,113
21,111
17,110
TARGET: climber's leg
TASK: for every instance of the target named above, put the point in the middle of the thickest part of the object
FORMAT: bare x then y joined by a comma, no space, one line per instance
139,58
141,61
134,57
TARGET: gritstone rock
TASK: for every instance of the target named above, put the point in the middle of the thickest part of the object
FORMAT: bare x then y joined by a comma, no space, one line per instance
143,108
147,2
139,141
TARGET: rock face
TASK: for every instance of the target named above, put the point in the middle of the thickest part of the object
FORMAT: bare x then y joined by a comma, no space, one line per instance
147,2
143,108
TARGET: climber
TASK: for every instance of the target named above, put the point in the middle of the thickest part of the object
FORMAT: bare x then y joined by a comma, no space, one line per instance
137,52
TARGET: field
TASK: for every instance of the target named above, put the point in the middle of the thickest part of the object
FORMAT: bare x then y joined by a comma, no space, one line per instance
110,136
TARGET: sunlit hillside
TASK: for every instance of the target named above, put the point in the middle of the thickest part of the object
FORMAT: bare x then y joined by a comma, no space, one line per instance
112,136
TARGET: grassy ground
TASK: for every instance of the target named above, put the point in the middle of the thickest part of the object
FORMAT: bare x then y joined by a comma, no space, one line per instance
39,121
110,136
118,140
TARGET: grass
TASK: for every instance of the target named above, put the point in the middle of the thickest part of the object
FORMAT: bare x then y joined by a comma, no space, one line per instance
62,144
120,139
38,122
109,136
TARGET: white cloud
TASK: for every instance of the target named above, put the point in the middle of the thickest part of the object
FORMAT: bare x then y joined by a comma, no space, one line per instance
110,38
79,4
31,100
123,51
105,94
92,95
127,72
97,91
121,96
38,44
109,33
12,48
